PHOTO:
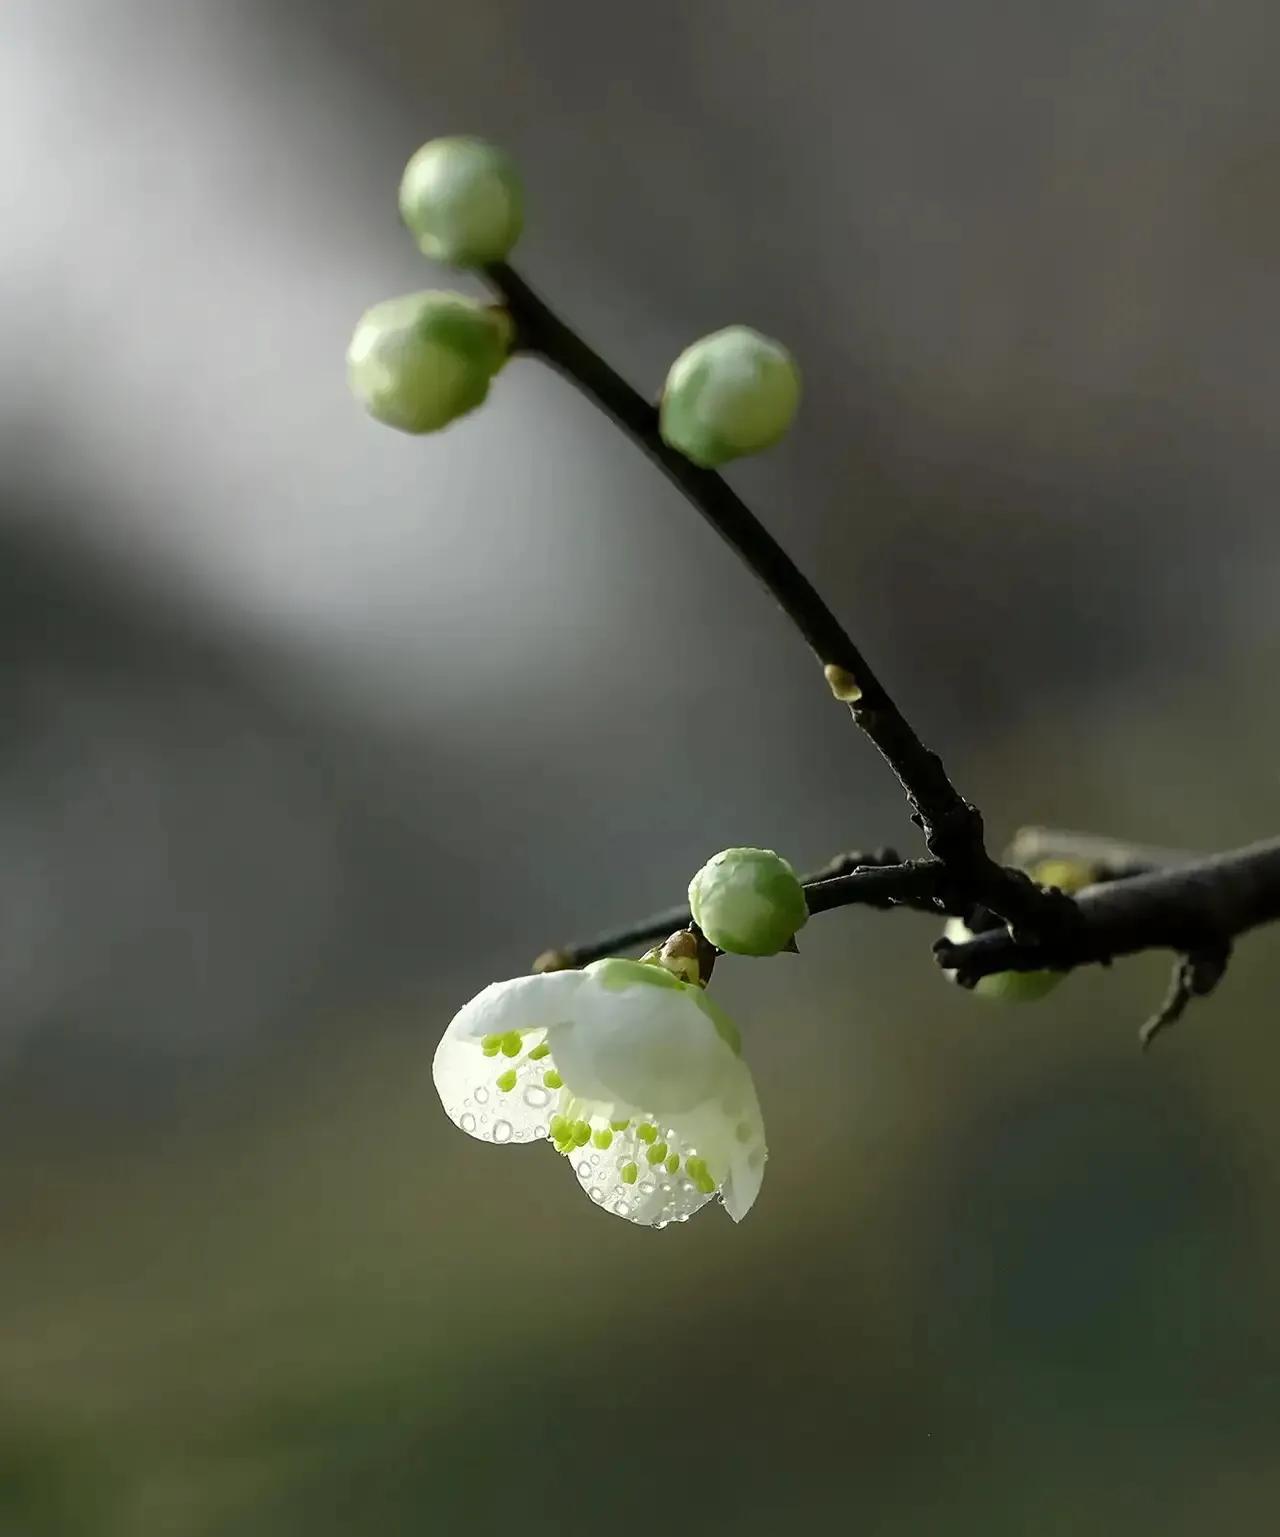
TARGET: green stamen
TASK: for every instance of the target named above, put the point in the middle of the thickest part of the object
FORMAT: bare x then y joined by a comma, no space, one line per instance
601,1139
629,1173
700,1175
507,1080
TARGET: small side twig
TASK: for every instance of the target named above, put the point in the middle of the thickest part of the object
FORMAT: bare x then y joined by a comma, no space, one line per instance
1194,976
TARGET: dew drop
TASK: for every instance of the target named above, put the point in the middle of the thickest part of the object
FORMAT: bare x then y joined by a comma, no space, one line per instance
535,1097
539,1131
584,1170
647,1188
468,1123
621,1208
502,1131
482,1095
596,1193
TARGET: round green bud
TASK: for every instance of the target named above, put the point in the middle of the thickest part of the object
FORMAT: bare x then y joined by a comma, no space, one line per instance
748,901
421,361
1005,986
732,393
463,202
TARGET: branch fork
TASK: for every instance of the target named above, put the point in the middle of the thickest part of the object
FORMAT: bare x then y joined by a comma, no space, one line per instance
1145,898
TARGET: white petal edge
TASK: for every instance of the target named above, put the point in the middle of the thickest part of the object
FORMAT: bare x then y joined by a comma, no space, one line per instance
500,1098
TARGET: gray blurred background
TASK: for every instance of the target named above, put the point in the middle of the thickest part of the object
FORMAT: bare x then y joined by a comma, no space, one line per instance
310,730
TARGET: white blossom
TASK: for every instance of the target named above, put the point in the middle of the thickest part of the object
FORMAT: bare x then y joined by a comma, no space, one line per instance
635,1077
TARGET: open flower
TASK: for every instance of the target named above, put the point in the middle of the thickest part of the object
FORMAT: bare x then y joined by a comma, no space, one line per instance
635,1077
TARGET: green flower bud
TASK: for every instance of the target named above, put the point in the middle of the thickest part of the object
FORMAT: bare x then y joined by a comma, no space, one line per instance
748,901
732,393
1065,875
421,361
1005,986
463,202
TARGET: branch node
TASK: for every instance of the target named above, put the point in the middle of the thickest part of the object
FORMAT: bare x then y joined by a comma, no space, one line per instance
842,683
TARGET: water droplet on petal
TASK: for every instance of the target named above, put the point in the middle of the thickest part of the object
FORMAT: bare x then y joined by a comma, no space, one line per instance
539,1131
502,1131
621,1208
468,1123
536,1097
584,1170
596,1193
482,1096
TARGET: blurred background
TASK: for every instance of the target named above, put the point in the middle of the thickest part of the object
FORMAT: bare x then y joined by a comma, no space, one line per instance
310,730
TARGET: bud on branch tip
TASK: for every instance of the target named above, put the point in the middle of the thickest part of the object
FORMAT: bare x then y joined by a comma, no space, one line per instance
462,200
734,392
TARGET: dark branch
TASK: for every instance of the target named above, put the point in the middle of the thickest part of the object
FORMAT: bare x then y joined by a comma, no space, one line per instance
952,828
1189,909
869,866
922,884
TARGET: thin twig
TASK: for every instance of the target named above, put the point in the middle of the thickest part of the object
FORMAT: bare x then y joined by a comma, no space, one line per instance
952,827
922,884
1194,976
659,925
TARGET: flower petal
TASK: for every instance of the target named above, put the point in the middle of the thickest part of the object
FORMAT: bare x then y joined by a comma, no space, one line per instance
653,1169
523,1003
642,1172
493,1068
640,1037
749,1150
